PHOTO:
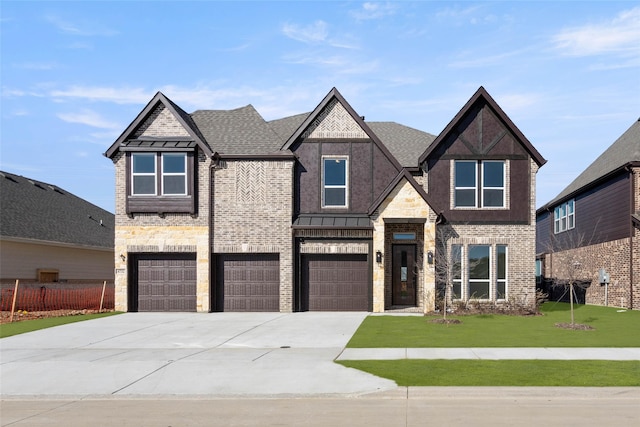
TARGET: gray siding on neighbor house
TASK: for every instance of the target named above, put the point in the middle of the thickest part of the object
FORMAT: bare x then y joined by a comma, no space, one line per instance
602,214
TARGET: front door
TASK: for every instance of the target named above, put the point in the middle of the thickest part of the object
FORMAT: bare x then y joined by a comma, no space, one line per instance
404,275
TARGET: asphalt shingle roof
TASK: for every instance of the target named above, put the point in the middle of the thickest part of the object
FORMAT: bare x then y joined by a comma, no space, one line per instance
34,210
239,131
405,143
624,150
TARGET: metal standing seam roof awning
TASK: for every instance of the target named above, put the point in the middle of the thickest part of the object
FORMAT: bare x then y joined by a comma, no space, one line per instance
332,221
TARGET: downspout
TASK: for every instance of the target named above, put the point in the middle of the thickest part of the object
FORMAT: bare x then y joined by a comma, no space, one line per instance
213,297
631,232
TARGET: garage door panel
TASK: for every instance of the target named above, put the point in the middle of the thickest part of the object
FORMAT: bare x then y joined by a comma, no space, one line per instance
167,284
248,282
336,282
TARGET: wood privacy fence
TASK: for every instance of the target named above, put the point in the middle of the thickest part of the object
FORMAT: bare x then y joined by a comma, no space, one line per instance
58,296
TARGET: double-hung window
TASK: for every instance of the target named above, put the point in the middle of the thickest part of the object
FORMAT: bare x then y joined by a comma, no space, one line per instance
501,273
161,182
564,217
144,174
456,271
170,180
479,184
335,173
174,173
473,271
479,267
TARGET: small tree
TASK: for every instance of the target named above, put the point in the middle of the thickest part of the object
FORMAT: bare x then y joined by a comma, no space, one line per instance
567,265
445,263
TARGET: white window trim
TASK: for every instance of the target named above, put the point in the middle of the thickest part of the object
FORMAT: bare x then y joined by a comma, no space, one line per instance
461,280
504,183
135,174
557,220
506,273
345,186
456,188
479,187
491,273
183,174
493,280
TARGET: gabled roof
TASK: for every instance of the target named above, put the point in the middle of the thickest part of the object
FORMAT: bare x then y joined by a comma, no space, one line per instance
404,174
334,94
624,151
483,96
286,126
35,211
405,143
240,131
183,118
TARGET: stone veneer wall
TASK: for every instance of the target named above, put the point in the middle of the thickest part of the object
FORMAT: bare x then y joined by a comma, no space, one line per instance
403,202
173,233
253,209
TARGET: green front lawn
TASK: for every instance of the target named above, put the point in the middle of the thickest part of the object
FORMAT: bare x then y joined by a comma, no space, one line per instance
546,373
612,328
23,326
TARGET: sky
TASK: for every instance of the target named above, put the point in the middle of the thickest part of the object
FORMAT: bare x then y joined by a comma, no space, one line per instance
74,75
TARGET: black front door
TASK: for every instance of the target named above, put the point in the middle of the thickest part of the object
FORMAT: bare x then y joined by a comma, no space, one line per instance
404,275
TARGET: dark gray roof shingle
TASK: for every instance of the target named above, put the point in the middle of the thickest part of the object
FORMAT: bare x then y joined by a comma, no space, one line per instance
34,210
240,131
624,150
405,143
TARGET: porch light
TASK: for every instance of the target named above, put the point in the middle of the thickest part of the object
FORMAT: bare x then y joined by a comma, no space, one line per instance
378,257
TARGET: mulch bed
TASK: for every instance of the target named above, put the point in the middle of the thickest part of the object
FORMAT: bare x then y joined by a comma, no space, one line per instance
445,321
575,326
30,315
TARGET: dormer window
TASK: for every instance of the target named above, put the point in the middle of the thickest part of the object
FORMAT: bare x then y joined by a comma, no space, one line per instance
335,181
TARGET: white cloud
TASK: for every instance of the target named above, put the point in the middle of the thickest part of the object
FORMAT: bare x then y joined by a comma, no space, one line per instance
485,61
620,35
313,34
122,95
44,66
80,29
89,118
374,10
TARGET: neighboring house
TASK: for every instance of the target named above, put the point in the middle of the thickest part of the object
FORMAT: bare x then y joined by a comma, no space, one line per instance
224,211
49,235
594,225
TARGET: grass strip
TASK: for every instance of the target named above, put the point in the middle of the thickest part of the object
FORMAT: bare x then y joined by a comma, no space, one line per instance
613,327
547,373
24,326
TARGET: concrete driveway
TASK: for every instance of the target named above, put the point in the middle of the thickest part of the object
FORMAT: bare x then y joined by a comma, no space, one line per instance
187,354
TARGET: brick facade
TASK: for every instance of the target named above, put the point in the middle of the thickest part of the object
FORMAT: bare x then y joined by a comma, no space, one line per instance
169,233
253,208
584,264
246,205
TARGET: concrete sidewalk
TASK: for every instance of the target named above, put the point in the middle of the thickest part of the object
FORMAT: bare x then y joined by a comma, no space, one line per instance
403,406
529,353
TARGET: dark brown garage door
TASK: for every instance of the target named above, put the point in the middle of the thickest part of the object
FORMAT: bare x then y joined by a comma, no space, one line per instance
167,284
248,282
335,282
